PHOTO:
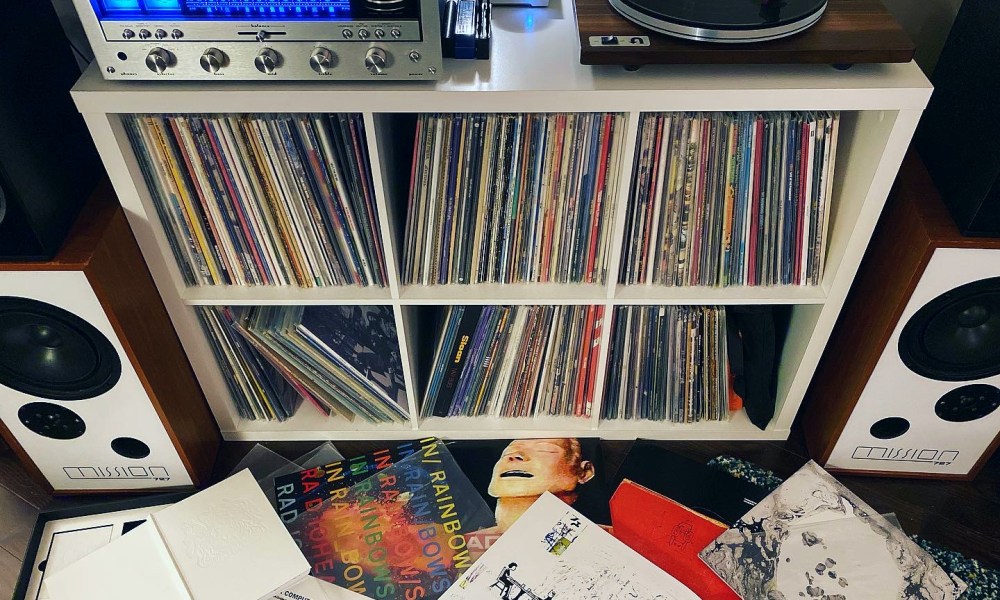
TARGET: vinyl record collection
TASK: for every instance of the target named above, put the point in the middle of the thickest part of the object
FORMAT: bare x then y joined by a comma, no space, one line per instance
250,200
257,388
510,198
515,361
344,359
668,363
730,199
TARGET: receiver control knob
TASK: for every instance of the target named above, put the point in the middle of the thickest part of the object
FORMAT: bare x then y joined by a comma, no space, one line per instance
363,34
158,60
160,34
144,34
266,61
213,60
322,60
380,33
128,34
376,60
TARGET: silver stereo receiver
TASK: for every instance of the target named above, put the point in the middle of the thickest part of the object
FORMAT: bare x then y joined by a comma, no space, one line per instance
264,39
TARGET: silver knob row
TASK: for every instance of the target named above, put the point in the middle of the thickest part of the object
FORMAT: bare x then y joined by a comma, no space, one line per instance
267,60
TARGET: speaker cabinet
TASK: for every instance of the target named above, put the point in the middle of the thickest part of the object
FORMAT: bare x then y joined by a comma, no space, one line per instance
959,135
96,392
48,163
910,381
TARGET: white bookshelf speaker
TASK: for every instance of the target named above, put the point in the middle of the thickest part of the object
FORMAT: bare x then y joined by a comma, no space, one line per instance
910,382
95,391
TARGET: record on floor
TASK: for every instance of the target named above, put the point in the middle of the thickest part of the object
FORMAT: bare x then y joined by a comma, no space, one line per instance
725,21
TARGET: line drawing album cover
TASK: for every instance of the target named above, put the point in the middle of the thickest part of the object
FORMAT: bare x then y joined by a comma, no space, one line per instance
552,552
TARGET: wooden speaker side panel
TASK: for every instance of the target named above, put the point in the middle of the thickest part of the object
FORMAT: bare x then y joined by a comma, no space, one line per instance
893,264
124,286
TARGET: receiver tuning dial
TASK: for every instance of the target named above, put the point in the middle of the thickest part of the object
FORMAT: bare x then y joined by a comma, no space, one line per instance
322,60
376,60
213,60
159,59
266,61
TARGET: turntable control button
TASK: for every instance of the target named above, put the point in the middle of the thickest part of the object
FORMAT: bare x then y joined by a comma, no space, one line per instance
322,60
158,60
267,61
376,60
347,33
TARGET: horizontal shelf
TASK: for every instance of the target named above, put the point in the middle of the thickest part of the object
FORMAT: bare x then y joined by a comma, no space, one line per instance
738,427
263,295
310,424
660,294
498,293
531,426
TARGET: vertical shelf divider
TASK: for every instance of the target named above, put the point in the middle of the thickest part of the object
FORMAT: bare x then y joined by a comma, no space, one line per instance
385,199
621,206
630,141
382,156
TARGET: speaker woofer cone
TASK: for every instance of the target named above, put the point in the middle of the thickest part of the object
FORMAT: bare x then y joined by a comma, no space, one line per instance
48,352
956,336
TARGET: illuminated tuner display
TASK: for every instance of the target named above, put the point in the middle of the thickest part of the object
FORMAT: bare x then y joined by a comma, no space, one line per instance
165,40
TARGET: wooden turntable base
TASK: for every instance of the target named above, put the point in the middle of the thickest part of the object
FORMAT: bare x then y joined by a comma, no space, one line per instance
849,32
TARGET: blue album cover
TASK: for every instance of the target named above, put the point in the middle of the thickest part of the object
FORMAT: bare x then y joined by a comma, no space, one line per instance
364,337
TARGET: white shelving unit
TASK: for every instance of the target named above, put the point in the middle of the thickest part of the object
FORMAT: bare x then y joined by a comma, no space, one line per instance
534,69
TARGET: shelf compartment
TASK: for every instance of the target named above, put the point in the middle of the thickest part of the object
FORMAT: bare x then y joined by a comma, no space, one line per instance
668,363
263,200
511,198
512,362
730,199
341,360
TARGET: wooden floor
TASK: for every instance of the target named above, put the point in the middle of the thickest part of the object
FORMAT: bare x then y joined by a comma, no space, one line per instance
962,516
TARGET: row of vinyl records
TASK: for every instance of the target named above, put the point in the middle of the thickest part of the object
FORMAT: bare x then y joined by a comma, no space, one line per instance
730,199
666,363
511,198
716,199
263,199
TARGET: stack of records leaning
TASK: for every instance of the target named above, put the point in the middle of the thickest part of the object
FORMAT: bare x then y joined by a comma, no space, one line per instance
344,359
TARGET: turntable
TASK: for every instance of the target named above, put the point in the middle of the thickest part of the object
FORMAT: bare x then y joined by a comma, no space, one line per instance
633,33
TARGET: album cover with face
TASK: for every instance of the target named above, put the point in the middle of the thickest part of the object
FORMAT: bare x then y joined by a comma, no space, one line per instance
814,538
512,474
554,552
